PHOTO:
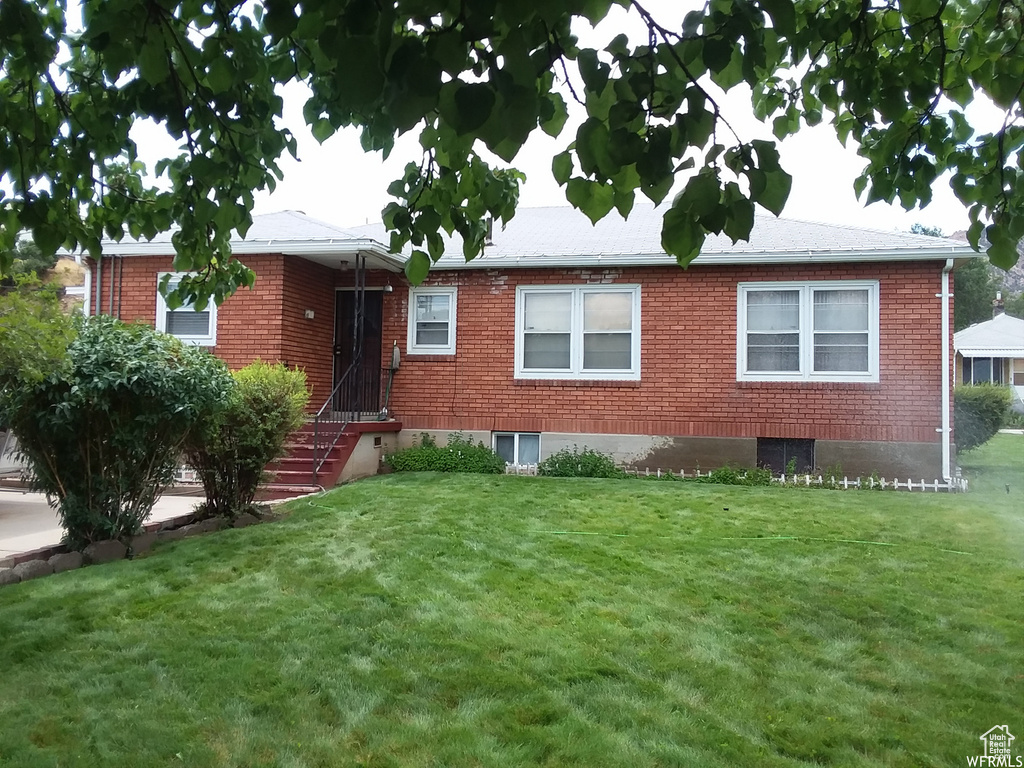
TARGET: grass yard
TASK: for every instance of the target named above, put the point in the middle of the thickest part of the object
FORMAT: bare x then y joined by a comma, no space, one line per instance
426,620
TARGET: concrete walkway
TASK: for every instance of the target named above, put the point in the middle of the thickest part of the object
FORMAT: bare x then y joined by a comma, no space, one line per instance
27,522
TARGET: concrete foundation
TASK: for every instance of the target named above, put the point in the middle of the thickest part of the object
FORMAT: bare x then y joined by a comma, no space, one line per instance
366,457
903,460
854,458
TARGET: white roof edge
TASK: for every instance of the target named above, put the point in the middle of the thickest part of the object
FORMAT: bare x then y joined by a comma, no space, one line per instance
662,260
343,246
991,351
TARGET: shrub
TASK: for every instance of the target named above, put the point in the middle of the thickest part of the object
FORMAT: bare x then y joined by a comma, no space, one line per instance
34,332
266,404
102,434
1013,420
736,476
576,462
978,413
458,455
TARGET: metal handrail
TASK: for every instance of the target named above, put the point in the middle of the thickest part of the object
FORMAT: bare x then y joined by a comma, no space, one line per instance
327,408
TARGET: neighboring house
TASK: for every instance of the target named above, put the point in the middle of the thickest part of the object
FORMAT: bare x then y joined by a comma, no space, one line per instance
817,344
992,352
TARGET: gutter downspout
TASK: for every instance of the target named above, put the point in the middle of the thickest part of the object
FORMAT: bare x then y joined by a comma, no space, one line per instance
99,284
86,297
946,429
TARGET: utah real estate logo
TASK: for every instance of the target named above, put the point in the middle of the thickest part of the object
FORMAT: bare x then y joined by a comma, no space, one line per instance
998,749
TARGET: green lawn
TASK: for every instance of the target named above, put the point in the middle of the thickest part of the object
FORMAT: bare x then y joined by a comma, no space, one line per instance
426,620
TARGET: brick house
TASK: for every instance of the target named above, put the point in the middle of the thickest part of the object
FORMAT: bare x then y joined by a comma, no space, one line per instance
812,343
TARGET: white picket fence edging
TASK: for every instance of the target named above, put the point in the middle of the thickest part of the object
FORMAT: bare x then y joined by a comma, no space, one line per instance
955,485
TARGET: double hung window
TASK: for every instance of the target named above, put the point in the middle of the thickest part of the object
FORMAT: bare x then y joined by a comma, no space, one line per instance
186,322
583,332
432,321
817,331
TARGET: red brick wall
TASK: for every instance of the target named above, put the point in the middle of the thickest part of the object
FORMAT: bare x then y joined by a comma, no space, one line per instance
688,351
688,380
267,322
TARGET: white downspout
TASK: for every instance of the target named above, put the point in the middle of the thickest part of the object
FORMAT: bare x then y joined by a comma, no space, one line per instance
87,298
946,428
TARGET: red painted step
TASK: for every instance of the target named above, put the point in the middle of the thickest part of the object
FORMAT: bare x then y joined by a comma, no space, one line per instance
294,469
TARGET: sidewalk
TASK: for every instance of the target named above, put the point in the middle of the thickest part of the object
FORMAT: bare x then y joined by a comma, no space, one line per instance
27,522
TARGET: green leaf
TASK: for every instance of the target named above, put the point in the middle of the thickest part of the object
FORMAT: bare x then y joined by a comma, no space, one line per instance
279,19
1002,254
553,114
221,75
593,71
474,103
592,140
624,199
358,77
417,267
322,130
740,220
776,191
593,199
783,15
681,235
561,167
153,65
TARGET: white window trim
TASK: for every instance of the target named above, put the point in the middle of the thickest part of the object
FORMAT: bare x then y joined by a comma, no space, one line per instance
806,372
411,347
204,340
515,436
575,371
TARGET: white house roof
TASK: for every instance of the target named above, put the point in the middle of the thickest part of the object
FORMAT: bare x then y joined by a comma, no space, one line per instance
288,232
562,236
1002,336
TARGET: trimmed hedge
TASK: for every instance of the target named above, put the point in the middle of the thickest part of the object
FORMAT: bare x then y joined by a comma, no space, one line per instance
458,455
979,410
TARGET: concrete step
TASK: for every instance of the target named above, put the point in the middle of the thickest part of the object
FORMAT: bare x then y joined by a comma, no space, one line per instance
292,477
305,450
302,463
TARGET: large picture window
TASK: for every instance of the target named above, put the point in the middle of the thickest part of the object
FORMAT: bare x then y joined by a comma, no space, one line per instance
185,322
817,331
432,321
585,332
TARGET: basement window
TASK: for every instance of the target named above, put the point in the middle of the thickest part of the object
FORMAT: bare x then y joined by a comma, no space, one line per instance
518,447
776,453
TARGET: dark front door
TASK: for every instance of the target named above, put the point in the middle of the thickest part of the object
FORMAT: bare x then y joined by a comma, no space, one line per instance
360,391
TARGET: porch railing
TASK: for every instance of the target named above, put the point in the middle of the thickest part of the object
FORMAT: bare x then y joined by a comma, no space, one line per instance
356,397
329,423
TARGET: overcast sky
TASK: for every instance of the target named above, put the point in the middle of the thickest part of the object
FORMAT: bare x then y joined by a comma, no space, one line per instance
339,183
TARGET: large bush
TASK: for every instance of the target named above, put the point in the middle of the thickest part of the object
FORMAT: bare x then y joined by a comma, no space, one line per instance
458,455
34,332
579,462
230,452
978,412
102,434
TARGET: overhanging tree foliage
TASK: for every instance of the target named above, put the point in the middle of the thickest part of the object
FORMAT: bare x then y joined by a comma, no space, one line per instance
894,76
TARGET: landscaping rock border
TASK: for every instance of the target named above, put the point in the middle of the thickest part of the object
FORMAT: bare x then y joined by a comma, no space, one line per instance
58,559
